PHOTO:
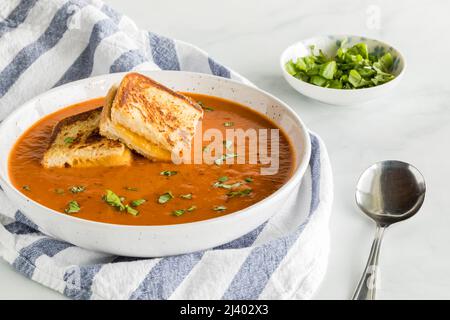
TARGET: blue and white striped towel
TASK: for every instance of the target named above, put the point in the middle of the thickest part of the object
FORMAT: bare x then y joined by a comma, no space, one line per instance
45,43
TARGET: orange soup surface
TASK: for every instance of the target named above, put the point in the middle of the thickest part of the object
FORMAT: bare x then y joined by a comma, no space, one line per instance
197,189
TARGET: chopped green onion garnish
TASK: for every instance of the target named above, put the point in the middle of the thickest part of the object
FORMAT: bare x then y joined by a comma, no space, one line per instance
69,140
168,173
191,208
223,158
223,179
219,208
227,186
328,69
239,193
178,212
248,179
77,189
228,124
186,196
117,202
132,211
204,107
165,197
113,200
138,202
72,207
349,68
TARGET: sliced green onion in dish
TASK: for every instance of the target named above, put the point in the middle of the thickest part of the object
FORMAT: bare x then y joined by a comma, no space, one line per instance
222,159
138,202
348,68
187,196
191,208
239,193
219,208
178,212
113,200
219,184
69,140
131,210
117,202
168,173
228,124
77,189
202,105
165,197
72,207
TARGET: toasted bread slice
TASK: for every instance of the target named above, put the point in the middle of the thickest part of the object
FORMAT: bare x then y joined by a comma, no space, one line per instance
76,142
149,118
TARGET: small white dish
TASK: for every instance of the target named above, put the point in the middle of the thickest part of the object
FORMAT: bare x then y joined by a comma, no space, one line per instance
329,44
154,241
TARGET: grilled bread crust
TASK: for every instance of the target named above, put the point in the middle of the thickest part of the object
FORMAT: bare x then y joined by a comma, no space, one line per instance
132,140
149,117
76,142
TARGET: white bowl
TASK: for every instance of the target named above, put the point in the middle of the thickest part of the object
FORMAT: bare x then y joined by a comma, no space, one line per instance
329,45
153,241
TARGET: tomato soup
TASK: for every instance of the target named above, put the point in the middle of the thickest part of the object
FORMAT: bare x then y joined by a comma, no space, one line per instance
161,193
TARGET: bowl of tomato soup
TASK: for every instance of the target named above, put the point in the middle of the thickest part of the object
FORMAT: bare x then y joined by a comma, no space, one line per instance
209,199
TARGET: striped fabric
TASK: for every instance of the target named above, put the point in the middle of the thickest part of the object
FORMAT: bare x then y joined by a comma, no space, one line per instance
46,43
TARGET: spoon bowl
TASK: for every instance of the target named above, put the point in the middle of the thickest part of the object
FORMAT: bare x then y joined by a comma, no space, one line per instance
388,192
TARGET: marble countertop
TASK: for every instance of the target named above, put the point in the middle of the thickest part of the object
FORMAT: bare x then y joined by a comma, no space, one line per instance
411,124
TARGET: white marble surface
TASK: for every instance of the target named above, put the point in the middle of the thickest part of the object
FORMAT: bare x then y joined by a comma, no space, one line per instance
412,124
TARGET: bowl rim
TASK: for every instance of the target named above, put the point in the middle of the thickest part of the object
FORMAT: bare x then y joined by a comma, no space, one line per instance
307,84
289,184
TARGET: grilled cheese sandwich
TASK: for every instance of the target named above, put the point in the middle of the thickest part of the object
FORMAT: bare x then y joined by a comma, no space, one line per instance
149,118
76,142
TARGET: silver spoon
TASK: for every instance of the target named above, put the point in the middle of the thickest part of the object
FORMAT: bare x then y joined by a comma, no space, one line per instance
388,192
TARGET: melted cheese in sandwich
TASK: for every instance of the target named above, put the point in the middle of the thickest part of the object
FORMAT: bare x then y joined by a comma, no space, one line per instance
140,144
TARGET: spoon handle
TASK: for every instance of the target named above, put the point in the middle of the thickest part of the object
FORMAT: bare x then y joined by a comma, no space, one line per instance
367,285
